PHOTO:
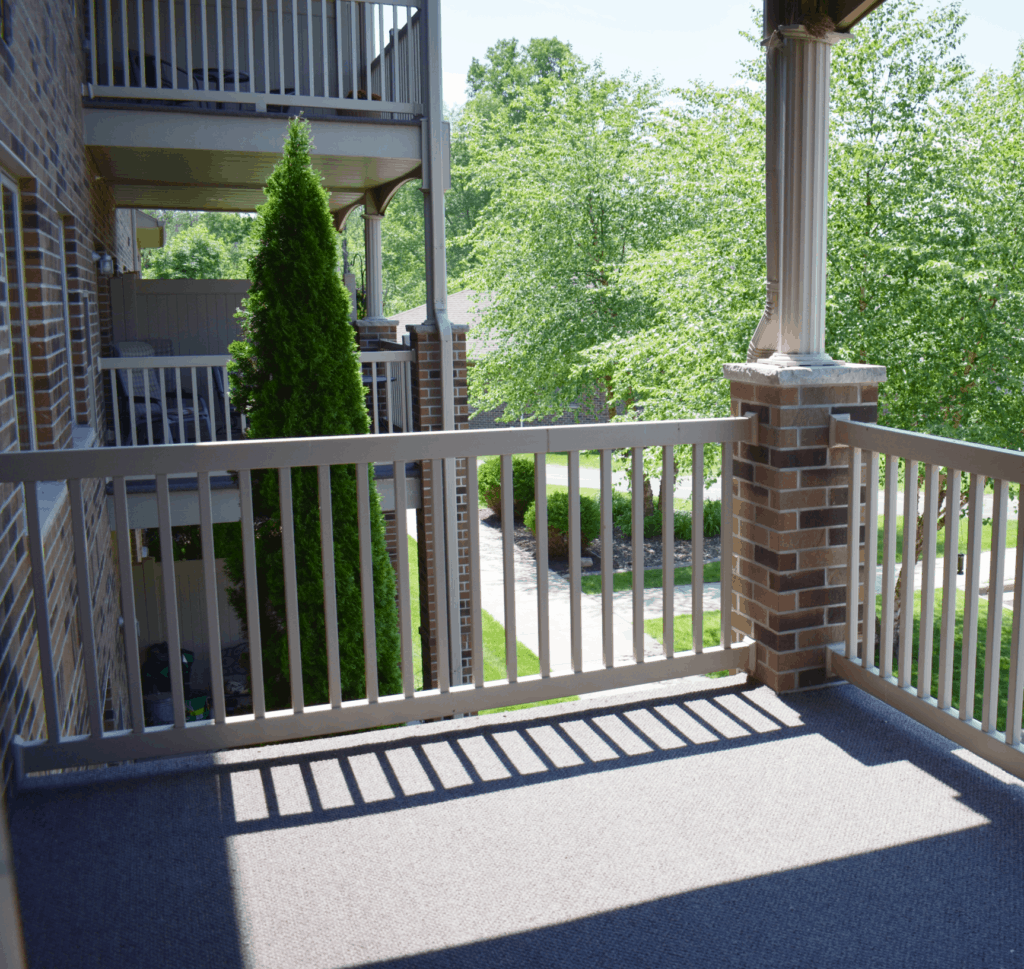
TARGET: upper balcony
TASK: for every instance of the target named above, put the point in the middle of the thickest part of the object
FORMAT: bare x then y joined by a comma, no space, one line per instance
186,101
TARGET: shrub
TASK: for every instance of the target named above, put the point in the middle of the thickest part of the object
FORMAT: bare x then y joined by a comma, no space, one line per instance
295,373
652,523
489,482
558,522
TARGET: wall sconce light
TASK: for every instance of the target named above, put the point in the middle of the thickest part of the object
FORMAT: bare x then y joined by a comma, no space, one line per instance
104,263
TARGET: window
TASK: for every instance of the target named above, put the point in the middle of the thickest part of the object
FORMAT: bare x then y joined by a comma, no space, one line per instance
5,21
14,320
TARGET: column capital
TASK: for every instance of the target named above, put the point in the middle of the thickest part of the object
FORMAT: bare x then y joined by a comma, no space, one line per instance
800,32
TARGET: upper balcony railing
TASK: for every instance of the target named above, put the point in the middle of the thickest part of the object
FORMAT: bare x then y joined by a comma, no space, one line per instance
343,57
185,399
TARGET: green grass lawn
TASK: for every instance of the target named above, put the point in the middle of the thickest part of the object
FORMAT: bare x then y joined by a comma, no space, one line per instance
979,682
682,627
493,641
623,581
940,544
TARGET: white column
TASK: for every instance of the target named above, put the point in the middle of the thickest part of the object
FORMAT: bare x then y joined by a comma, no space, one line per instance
805,62
374,266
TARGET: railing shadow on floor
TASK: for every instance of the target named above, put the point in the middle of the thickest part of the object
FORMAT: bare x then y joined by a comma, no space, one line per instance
131,858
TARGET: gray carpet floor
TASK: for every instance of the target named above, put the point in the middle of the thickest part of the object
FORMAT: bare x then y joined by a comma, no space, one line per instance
703,824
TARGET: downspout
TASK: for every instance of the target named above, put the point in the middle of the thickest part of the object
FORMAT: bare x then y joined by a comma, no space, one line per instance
434,187
766,337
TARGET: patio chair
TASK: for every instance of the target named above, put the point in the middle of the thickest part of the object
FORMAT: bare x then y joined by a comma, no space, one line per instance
140,405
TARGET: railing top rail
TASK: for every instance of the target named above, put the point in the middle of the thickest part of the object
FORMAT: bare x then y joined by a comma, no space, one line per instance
148,363
222,359
386,356
992,462
370,448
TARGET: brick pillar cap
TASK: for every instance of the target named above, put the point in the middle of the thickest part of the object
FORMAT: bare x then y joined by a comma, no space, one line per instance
839,373
376,321
432,327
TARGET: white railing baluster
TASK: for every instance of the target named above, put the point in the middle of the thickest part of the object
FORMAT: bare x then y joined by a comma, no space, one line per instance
637,528
226,395
296,82
206,46
148,402
220,46
323,48
250,64
947,629
373,396
252,595
125,61
668,549
353,9
182,436
994,632
86,629
42,612
189,66
727,562
508,567
1015,686
393,60
291,595
380,53
141,41
310,67
697,550
540,505
870,559
330,584
607,562
163,506
907,574
158,52
575,566
340,47
892,463
969,648
476,630
213,406
925,640
363,472
852,552
367,16
172,41
116,409
210,588
440,594
131,635
235,66
280,46
266,51
409,54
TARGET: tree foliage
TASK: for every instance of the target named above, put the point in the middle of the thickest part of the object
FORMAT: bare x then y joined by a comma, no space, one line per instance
200,245
295,373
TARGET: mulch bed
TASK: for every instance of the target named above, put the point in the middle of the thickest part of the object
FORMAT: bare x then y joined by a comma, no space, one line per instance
622,548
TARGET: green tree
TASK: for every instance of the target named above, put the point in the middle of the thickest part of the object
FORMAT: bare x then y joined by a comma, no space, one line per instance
573,191
295,373
194,253
200,245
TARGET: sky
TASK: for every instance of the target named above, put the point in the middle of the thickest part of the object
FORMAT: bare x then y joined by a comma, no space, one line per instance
670,38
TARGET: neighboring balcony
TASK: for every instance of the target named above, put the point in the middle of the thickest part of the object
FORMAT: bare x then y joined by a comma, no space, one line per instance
186,101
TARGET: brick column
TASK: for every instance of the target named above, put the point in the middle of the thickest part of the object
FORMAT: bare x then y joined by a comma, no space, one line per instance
370,332
427,416
790,513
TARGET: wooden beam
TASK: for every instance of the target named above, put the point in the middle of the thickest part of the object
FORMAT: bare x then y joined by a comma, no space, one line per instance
847,13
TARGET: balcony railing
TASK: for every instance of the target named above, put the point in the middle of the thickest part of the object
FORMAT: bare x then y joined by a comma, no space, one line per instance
450,456
185,399
904,674
344,56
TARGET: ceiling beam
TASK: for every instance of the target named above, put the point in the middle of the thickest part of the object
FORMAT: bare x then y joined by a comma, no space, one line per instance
847,13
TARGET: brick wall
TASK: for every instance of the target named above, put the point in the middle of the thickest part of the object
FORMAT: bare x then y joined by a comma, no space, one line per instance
428,416
66,214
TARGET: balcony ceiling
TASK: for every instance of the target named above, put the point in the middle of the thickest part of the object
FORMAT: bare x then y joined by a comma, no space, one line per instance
221,161
702,824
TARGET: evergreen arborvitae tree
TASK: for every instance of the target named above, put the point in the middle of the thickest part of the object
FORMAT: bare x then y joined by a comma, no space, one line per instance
296,373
